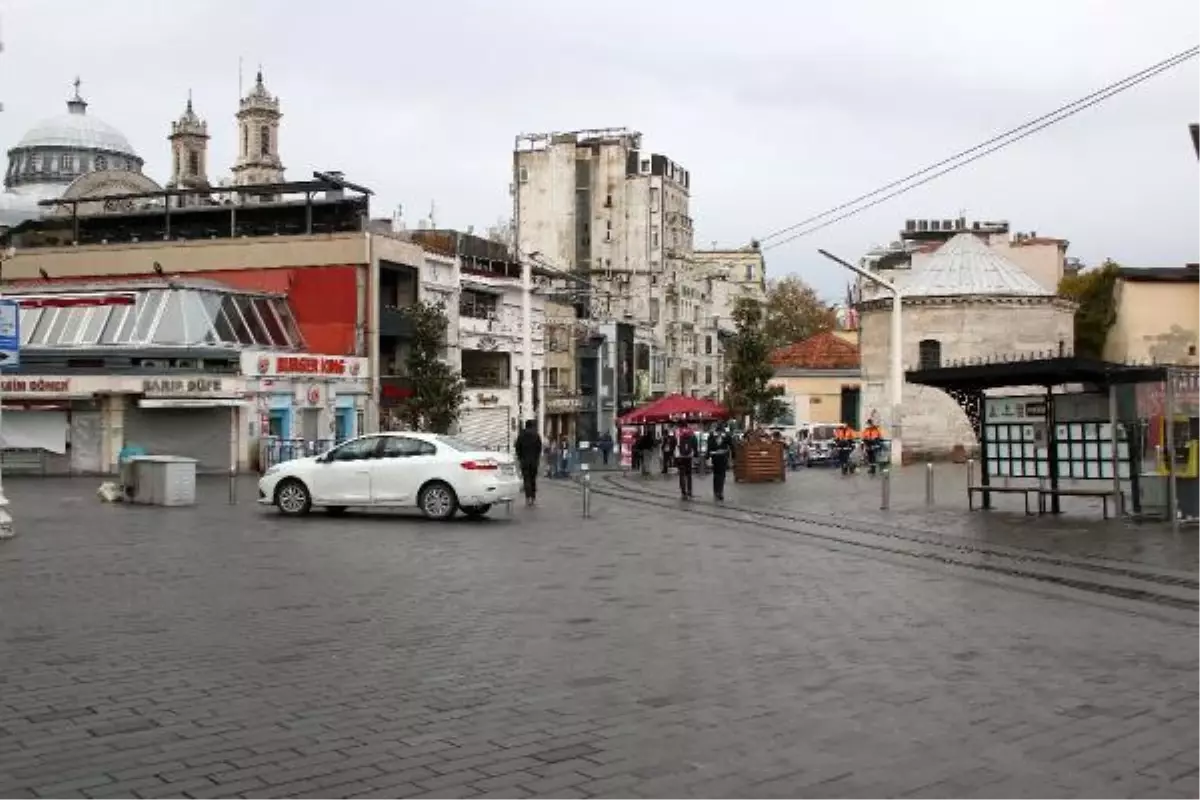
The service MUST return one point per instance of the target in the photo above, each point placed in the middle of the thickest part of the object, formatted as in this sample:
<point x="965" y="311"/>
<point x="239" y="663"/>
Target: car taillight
<point x="485" y="464"/>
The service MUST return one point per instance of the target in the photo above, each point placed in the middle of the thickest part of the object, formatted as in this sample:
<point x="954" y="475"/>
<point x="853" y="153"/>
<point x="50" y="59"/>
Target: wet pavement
<point x="651" y="650"/>
<point x="1080" y="531"/>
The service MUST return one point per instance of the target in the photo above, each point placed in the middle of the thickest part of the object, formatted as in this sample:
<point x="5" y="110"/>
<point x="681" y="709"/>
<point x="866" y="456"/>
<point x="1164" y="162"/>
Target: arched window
<point x="264" y="138"/>
<point x="930" y="353"/>
<point x="245" y="141"/>
<point x="193" y="163"/>
<point x="176" y="162"/>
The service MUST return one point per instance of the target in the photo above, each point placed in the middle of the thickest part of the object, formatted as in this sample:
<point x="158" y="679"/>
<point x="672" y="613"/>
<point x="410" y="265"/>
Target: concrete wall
<point x="191" y="256"/>
<point x="818" y="397"/>
<point x="1156" y="321"/>
<point x="933" y="423"/>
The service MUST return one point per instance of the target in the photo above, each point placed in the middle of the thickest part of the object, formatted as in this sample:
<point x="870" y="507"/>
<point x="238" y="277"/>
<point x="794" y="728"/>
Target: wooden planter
<point x="759" y="461"/>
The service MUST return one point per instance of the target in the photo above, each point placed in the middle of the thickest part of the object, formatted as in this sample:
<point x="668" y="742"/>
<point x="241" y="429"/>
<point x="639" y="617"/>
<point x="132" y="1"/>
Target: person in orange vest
<point x="845" y="438"/>
<point x="872" y="438"/>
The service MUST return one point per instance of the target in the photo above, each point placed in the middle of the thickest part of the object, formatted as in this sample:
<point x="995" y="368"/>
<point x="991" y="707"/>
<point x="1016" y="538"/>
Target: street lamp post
<point x="6" y="521"/>
<point x="896" y="372"/>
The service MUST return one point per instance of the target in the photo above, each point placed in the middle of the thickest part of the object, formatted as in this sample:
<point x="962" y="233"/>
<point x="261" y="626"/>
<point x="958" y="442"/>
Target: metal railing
<point x="273" y="450"/>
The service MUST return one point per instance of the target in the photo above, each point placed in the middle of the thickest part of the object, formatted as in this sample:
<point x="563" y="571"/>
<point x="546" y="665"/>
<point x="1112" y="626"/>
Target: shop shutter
<point x="489" y="428"/>
<point x="199" y="433"/>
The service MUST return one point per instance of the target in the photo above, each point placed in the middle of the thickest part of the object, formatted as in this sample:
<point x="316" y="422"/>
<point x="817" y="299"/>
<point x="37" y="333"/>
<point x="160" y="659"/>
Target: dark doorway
<point x="851" y="396"/>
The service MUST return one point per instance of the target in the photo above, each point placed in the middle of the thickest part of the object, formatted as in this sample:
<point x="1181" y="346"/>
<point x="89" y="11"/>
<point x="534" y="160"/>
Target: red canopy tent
<point x="675" y="408"/>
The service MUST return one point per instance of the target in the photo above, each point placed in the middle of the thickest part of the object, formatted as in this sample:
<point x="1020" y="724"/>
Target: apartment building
<point x="616" y="216"/>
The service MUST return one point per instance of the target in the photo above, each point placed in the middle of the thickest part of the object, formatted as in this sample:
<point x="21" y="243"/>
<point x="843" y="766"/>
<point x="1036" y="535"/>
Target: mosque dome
<point x="55" y="153"/>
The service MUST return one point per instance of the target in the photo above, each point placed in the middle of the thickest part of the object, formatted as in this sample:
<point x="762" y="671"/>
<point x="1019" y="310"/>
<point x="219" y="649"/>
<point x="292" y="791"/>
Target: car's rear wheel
<point x="292" y="498"/>
<point x="476" y="512"/>
<point x="437" y="501"/>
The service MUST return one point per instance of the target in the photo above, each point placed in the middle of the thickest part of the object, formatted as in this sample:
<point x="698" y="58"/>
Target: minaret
<point x="189" y="154"/>
<point x="258" y="138"/>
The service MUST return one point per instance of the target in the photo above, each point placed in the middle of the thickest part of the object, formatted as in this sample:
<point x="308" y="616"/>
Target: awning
<point x="194" y="402"/>
<point x="675" y="407"/>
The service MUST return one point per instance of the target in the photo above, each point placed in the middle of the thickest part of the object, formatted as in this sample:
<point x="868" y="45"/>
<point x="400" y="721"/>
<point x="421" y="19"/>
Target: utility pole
<point x="526" y="387"/>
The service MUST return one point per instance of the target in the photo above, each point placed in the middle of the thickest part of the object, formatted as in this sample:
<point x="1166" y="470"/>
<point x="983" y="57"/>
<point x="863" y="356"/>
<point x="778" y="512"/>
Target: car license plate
<point x="508" y="469"/>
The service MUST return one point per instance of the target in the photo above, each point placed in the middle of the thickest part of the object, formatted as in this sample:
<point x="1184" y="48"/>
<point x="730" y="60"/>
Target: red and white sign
<point x="76" y="300"/>
<point x="303" y="365"/>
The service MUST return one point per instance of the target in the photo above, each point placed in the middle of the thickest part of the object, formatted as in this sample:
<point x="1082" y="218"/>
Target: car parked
<point x="440" y="475"/>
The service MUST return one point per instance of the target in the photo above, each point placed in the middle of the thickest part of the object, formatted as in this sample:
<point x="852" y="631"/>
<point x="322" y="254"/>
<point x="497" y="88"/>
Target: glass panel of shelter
<point x="55" y="330"/>
<point x="148" y="308"/>
<point x="254" y="326"/>
<point x="172" y="325"/>
<point x="295" y="338"/>
<point x="198" y="325"/>
<point x="93" y="324"/>
<point x="271" y="324"/>
<point x="115" y="322"/>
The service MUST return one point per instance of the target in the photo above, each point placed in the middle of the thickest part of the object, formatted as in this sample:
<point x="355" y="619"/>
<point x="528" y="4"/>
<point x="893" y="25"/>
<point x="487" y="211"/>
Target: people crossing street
<point x="720" y="447"/>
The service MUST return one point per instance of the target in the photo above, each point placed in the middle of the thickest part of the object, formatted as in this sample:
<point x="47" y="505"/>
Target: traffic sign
<point x="10" y="334"/>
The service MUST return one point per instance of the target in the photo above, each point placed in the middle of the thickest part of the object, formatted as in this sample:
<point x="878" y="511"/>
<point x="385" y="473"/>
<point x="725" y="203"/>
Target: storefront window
<point x="254" y="325"/>
<point x="171" y="325"/>
<point x="147" y="310"/>
<point x="114" y="324"/>
<point x="93" y="324"/>
<point x="29" y="321"/>
<point x="274" y="329"/>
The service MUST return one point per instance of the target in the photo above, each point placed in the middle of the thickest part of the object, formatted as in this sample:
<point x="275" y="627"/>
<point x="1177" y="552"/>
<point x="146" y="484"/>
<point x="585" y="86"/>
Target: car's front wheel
<point x="476" y="512"/>
<point x="437" y="501"/>
<point x="292" y="498"/>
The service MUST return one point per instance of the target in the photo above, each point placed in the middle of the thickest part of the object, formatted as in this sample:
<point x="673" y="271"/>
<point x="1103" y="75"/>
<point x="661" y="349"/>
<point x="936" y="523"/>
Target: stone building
<point x="966" y="301"/>
<point x="258" y="137"/>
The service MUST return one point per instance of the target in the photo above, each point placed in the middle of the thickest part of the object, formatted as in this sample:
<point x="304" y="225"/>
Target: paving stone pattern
<point x="1080" y="531"/>
<point x="224" y="651"/>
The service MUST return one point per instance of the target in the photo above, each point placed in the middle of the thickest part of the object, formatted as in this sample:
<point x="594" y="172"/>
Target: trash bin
<point x="162" y="481"/>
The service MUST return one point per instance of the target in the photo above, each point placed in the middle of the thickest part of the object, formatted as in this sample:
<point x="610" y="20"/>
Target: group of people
<point x="846" y="439"/>
<point x="683" y="447"/>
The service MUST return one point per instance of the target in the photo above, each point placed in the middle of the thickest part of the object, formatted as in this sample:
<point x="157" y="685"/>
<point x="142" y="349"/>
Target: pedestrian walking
<point x="529" y="453"/>
<point x="720" y="447"/>
<point x="687" y="445"/>
<point x="606" y="446"/>
<point x="669" y="442"/>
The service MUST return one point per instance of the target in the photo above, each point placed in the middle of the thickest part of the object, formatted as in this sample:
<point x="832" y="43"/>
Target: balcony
<point x="395" y="322"/>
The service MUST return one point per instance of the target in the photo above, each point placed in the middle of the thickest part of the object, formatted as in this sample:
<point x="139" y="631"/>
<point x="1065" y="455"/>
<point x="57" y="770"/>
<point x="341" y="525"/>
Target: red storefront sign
<point x="35" y="386"/>
<point x="310" y="365"/>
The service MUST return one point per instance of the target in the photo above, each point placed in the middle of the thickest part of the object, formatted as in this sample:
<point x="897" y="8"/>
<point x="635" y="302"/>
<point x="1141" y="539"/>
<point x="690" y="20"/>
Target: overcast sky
<point x="779" y="109"/>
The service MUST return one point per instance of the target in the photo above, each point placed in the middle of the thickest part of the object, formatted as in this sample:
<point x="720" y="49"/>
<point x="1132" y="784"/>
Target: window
<point x="523" y="175"/>
<point x="245" y="140"/>
<point x="65" y="327"/>
<point x="477" y="305"/>
<point x="196" y="322"/>
<point x="654" y="310"/>
<point x="255" y="326"/>
<point x="356" y="450"/>
<point x="114" y="323"/>
<point x="552" y="378"/>
<point x="653" y="198"/>
<point x="264" y="140"/>
<point x="749" y="272"/>
<point x="93" y="324"/>
<point x="404" y="447"/>
<point x="237" y="323"/>
<point x="29" y="321"/>
<point x="194" y="163"/>
<point x="176" y="171"/>
<point x="171" y="326"/>
<point x="708" y="374"/>
<point x="645" y="165"/>
<point x="271" y="324"/>
<point x="66" y="163"/>
<point x="929" y="354"/>
<point x="35" y="163"/>
<point x="654" y="239"/>
<point x="708" y="346"/>
<point x="101" y="163"/>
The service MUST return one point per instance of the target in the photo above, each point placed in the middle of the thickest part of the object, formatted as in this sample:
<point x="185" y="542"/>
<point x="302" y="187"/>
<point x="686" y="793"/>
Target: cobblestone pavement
<point x="1081" y="531"/>
<point x="223" y="651"/>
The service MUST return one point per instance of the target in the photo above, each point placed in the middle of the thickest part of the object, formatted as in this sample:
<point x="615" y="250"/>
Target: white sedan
<point x="440" y="475"/>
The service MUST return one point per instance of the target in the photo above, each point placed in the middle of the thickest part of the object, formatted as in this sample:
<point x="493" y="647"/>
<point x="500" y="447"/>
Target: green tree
<point x="1093" y="291"/>
<point x="794" y="312"/>
<point x="749" y="393"/>
<point x="437" y="390"/>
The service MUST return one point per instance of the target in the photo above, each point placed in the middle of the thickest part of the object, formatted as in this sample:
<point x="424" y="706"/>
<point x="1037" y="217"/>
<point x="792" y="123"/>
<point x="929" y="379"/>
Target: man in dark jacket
<point x="529" y="453"/>
<point x="720" y="447"/>
<point x="688" y="448"/>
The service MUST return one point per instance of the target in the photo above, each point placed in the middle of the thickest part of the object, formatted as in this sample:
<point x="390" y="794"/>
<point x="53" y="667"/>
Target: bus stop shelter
<point x="1046" y="435"/>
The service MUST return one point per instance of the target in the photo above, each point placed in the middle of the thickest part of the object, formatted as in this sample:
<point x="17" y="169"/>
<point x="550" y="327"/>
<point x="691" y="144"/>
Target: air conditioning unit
<point x="935" y="225"/>
<point x="922" y="224"/>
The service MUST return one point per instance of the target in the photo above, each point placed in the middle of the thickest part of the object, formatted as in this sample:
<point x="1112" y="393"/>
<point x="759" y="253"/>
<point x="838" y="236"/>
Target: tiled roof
<point x="966" y="266"/>
<point x="823" y="351"/>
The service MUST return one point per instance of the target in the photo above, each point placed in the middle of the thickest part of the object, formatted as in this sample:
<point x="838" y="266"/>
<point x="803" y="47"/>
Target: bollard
<point x="970" y="472"/>
<point x="928" y="483"/>
<point x="232" y="485"/>
<point x="886" y="489"/>
<point x="587" y="492"/>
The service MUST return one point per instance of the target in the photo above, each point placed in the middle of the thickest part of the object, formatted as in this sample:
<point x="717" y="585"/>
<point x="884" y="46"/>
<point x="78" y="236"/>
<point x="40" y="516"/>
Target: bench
<point x="1025" y="490"/>
<point x="1104" y="494"/>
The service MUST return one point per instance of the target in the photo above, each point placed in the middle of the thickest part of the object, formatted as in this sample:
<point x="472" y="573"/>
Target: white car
<point x="440" y="475"/>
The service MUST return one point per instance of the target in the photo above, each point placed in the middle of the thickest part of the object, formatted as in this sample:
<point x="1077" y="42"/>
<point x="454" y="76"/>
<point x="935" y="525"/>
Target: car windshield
<point x="461" y="445"/>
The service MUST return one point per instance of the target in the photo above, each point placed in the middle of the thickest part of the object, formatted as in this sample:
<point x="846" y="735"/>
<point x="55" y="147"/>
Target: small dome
<point x="966" y="266"/>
